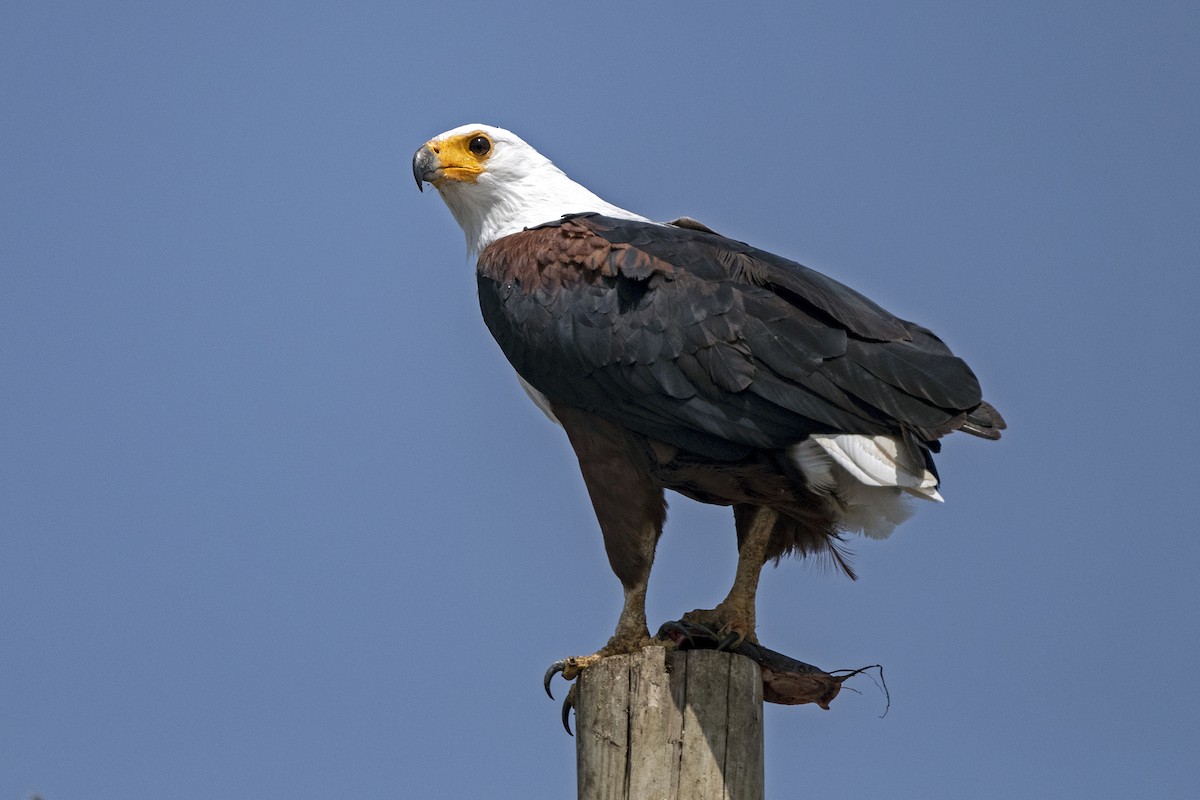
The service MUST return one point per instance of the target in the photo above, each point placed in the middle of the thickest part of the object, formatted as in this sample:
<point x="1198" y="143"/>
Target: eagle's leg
<point x="632" y="635"/>
<point x="734" y="618"/>
<point x="631" y="510"/>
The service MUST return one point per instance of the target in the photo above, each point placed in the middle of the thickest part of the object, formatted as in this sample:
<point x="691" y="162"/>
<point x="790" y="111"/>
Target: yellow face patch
<point x="460" y="158"/>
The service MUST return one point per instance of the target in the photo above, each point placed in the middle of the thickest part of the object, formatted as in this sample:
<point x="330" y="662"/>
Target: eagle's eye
<point x="480" y="145"/>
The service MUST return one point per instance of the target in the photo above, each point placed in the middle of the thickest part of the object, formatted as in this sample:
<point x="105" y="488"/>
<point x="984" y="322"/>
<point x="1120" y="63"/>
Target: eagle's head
<point x="474" y="154"/>
<point x="496" y="184"/>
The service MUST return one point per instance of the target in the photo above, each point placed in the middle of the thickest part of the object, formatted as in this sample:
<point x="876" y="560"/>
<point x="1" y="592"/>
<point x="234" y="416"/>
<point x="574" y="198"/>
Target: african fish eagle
<point x="675" y="358"/>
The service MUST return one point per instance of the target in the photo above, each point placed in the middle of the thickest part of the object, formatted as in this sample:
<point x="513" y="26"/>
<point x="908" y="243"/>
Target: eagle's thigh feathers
<point x="628" y="502"/>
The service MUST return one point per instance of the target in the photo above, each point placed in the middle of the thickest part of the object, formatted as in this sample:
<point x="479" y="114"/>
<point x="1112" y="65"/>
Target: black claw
<point x="673" y="626"/>
<point x="555" y="668"/>
<point x="728" y="642"/>
<point x="568" y="704"/>
<point x="697" y="635"/>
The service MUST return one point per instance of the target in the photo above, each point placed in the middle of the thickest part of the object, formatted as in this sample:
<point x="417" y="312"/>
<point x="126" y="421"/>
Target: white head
<point x="496" y="184"/>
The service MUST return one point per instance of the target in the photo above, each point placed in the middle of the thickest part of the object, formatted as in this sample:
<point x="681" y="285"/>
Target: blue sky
<point x="276" y="519"/>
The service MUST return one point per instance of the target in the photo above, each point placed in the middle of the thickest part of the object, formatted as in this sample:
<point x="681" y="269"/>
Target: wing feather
<point x="712" y="345"/>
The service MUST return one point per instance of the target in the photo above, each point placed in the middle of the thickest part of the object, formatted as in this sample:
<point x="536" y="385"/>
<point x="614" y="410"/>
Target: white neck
<point x="490" y="208"/>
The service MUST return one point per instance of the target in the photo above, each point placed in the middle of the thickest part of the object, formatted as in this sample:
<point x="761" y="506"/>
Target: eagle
<point x="676" y="358"/>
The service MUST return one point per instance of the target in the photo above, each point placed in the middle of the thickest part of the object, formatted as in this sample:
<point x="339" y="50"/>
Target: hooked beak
<point x="425" y="166"/>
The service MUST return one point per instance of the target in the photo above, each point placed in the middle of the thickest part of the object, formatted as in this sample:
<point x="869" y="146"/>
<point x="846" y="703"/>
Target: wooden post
<point x="678" y="725"/>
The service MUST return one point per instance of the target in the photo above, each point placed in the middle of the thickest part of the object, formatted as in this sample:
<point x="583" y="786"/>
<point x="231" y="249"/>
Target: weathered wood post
<point x="670" y="725"/>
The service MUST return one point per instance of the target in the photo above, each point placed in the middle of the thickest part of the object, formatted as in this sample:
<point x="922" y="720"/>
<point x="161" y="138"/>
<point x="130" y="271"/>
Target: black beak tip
<point x="423" y="164"/>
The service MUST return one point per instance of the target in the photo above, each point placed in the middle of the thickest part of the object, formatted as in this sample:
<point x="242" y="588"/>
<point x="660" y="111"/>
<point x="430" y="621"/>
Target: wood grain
<point x="659" y="725"/>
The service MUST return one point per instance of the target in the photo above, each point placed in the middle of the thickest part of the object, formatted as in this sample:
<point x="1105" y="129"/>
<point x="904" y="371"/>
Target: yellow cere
<point x="456" y="162"/>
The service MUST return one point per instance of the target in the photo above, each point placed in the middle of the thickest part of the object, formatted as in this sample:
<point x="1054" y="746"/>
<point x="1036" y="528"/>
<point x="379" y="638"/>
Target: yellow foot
<point x="570" y="668"/>
<point x="727" y="624"/>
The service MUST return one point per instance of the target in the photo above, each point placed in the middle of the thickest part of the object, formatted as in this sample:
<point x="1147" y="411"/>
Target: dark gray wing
<point x="712" y="345"/>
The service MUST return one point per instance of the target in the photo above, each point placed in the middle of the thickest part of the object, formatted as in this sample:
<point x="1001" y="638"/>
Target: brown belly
<point x="807" y="521"/>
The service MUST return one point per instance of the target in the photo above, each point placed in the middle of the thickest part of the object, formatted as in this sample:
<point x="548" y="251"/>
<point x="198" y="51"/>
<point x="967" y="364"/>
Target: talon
<point x="730" y="641"/>
<point x="568" y="704"/>
<point x="570" y="669"/>
<point x="555" y="668"/>
<point x="675" y="627"/>
<point x="697" y="635"/>
<point x="725" y="627"/>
